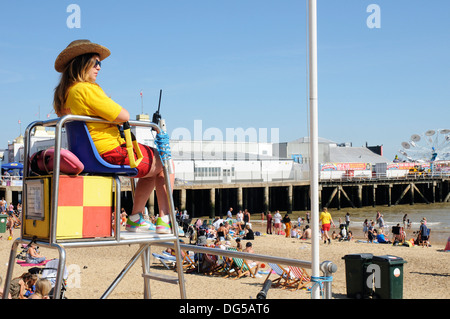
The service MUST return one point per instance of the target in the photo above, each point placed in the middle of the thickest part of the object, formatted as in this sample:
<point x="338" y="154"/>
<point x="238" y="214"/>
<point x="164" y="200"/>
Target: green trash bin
<point x="3" y="220"/>
<point x="388" y="277"/>
<point x="356" y="275"/>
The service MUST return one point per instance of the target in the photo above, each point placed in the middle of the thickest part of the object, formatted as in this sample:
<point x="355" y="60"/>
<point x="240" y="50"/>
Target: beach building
<point x="232" y="171"/>
<point x="220" y="161"/>
<point x="203" y="162"/>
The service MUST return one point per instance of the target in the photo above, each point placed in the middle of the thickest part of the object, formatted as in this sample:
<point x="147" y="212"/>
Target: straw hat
<point x="76" y="48"/>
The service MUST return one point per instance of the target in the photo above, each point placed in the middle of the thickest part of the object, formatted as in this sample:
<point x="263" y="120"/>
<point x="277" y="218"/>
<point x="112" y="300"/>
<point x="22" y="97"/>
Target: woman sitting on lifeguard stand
<point x="78" y="93"/>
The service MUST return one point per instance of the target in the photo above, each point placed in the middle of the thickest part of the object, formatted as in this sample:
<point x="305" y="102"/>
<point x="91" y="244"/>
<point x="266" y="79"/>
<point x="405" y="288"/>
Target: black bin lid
<point x="358" y="256"/>
<point x="389" y="259"/>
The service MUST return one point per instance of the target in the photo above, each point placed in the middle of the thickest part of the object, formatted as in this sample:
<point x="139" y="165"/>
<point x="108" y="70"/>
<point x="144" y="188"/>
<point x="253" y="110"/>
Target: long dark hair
<point x="75" y="71"/>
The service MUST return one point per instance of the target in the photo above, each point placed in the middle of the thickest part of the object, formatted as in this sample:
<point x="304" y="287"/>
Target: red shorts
<point x="119" y="156"/>
<point x="326" y="227"/>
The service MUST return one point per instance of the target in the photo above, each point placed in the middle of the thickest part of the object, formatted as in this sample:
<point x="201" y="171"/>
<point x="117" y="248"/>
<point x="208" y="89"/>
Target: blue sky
<point x="241" y="64"/>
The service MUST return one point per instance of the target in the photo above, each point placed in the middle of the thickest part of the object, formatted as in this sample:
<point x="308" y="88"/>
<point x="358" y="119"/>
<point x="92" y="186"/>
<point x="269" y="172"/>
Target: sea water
<point x="436" y="214"/>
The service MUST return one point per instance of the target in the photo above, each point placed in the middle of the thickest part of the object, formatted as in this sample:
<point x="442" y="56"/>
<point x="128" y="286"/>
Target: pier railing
<point x="186" y="179"/>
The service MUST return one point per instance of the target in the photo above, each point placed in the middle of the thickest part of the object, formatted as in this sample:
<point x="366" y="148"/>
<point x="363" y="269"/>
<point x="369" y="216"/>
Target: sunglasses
<point x="97" y="63"/>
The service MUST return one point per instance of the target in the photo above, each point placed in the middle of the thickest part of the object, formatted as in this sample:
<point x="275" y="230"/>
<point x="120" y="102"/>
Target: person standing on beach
<point x="371" y="232"/>
<point x="277" y="222"/>
<point x="246" y="217"/>
<point x="288" y="225"/>
<point x="230" y="213"/>
<point x="78" y="93"/>
<point x="405" y="221"/>
<point x="269" y="223"/>
<point x="365" y="228"/>
<point x="327" y="220"/>
<point x="381" y="222"/>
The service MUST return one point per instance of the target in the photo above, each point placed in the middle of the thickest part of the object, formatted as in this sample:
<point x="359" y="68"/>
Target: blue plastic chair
<point x="80" y="143"/>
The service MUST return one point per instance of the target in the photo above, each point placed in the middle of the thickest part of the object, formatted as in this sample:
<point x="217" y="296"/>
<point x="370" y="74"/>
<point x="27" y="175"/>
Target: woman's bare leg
<point x="153" y="180"/>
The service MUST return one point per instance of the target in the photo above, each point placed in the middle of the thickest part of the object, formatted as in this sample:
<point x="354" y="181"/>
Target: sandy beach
<point x="91" y="270"/>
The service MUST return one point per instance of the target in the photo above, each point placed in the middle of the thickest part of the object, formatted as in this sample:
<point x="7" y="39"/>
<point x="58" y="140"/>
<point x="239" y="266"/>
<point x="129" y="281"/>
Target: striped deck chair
<point x="301" y="278"/>
<point x="221" y="267"/>
<point x="167" y="260"/>
<point x="228" y="267"/>
<point x="189" y="261"/>
<point x="242" y="268"/>
<point x="283" y="279"/>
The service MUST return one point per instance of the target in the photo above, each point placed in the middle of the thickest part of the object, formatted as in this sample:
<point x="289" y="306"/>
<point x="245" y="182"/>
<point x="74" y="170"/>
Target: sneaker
<point x="163" y="225"/>
<point x="139" y="225"/>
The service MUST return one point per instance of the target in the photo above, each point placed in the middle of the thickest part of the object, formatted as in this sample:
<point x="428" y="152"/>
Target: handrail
<point x="327" y="267"/>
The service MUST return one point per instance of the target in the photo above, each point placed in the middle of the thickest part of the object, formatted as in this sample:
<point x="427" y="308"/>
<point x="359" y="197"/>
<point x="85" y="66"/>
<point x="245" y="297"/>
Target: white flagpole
<point x="313" y="144"/>
<point x="142" y="102"/>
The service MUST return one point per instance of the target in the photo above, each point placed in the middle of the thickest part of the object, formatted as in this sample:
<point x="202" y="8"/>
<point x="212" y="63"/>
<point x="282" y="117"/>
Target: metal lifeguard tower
<point x="59" y="219"/>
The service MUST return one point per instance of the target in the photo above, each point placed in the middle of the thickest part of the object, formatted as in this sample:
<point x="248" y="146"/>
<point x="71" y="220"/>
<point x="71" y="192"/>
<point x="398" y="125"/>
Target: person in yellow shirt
<point x="78" y="93"/>
<point x="325" y="218"/>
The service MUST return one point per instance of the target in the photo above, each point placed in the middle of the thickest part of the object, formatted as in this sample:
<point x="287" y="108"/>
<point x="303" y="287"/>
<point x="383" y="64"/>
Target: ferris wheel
<point x="433" y="145"/>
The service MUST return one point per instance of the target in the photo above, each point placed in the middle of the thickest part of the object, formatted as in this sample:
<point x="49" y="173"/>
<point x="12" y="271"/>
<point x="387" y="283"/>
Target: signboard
<point x="345" y="166"/>
<point x="35" y="199"/>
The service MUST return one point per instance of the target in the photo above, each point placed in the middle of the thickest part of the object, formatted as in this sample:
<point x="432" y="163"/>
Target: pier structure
<point x="215" y="199"/>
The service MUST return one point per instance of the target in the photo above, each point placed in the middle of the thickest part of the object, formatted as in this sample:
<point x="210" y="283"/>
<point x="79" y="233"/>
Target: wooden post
<point x="266" y="199"/>
<point x="212" y="203"/>
<point x="290" y="196"/>
<point x="240" y="199"/>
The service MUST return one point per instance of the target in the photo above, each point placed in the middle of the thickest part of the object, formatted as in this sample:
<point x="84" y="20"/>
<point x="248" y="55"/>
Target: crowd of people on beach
<point x="398" y="232"/>
<point x="374" y="230"/>
<point x="240" y="226"/>
<point x="228" y="232"/>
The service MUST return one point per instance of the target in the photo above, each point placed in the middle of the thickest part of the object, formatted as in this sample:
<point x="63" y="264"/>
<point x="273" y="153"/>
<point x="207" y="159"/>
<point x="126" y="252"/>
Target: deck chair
<point x="212" y="265"/>
<point x="168" y="261"/>
<point x="283" y="279"/>
<point x="205" y="264"/>
<point x="189" y="261"/>
<point x="242" y="268"/>
<point x="225" y="267"/>
<point x="229" y="266"/>
<point x="301" y="278"/>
